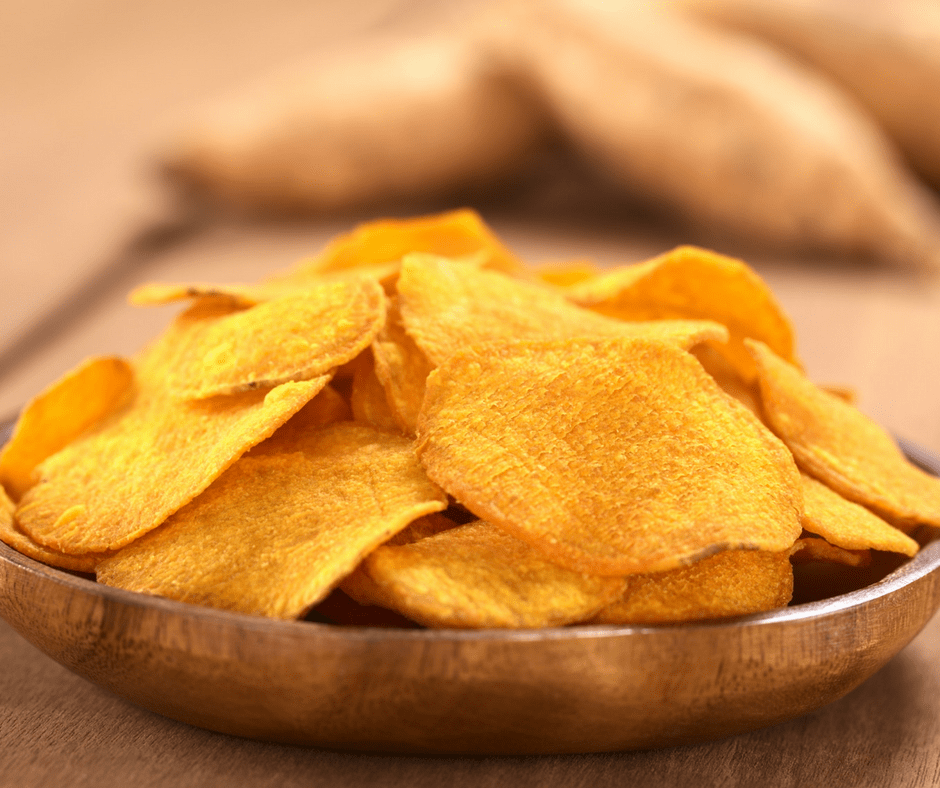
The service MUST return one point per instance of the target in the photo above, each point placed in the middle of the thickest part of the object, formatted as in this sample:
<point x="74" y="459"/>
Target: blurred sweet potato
<point x="886" y="53"/>
<point x="386" y="119"/>
<point x="719" y="127"/>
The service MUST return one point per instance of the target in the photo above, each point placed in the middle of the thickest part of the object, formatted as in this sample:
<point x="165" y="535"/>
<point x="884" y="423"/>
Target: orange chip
<point x="727" y="377"/>
<point x="60" y="414"/>
<point x="129" y="473"/>
<point x="402" y="368"/>
<point x="275" y="533"/>
<point x="422" y="528"/>
<point x="290" y="283"/>
<point x="566" y="275"/>
<point x="610" y="456"/>
<point x="848" y="525"/>
<point x="10" y="534"/>
<point x="156" y="293"/>
<point x="810" y="548"/>
<point x="293" y="338"/>
<point x="729" y="583"/>
<point x="327" y="407"/>
<point x="689" y="282"/>
<point x="837" y="444"/>
<point x="447" y="306"/>
<point x="369" y="401"/>
<point x="454" y="234"/>
<point x="476" y="576"/>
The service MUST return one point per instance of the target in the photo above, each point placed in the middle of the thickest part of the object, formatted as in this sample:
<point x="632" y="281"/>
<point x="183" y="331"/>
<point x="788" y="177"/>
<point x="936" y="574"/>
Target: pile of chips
<point x="414" y="422"/>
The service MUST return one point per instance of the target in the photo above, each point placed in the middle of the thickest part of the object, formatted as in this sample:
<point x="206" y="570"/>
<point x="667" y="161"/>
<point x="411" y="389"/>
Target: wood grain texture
<point x="568" y="690"/>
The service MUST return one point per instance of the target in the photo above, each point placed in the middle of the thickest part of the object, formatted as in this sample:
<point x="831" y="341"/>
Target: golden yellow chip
<point x="327" y="407"/>
<point x="454" y="234"/>
<point x="609" y="456"/>
<point x="422" y="528"/>
<point x="11" y="534"/>
<point x="727" y="377"/>
<point x="848" y="525"/>
<point x="60" y="414"/>
<point x="293" y="338"/>
<point x="729" y="583"/>
<point x="839" y="445"/>
<point x="156" y="293"/>
<point x="689" y="282"/>
<point x="290" y="283"/>
<point x="368" y="399"/>
<point x="813" y="549"/>
<point x="447" y="306"/>
<point x="7" y="507"/>
<point x="129" y="473"/>
<point x="276" y="532"/>
<point x="476" y="576"/>
<point x="568" y="274"/>
<point x="402" y="368"/>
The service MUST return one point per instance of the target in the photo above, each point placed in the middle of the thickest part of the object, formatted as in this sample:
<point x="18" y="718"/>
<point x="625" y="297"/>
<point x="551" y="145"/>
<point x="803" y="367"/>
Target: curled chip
<point x="729" y="583"/>
<point x="298" y="337"/>
<point x="568" y="274"/>
<point x="282" y="285"/>
<point x="454" y="234"/>
<point x="447" y="305"/>
<point x="275" y="533"/>
<point x="813" y="549"/>
<point x="10" y="534"/>
<point x="154" y="293"/>
<point x="368" y="398"/>
<point x="476" y="576"/>
<point x="327" y="407"/>
<point x="60" y="414"/>
<point x="609" y="456"/>
<point x="128" y="474"/>
<point x="422" y="528"/>
<point x="694" y="283"/>
<point x="848" y="525"/>
<point x="839" y="445"/>
<point x="402" y="368"/>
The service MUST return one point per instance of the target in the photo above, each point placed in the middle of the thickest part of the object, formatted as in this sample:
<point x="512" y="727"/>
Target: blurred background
<point x="202" y="141"/>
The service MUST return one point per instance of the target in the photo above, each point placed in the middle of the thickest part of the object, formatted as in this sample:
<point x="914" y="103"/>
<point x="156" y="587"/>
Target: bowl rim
<point x="926" y="561"/>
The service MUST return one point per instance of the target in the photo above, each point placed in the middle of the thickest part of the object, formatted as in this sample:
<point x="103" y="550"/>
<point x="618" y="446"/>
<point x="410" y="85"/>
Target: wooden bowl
<point x="563" y="690"/>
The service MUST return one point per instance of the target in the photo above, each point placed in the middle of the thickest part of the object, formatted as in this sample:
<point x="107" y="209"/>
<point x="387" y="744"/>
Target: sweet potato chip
<point x="476" y="576"/>
<point x="454" y="234"/>
<point x="447" y="306"/>
<point x="368" y="399"/>
<point x="568" y="274"/>
<point x="327" y="407"/>
<point x="60" y="414"/>
<point x="689" y="282"/>
<point x="402" y="368"/>
<point x="277" y="531"/>
<point x="839" y="445"/>
<point x="157" y="293"/>
<point x="814" y="549"/>
<point x="290" y="283"/>
<point x="371" y="251"/>
<point x="848" y="525"/>
<point x="293" y="338"/>
<point x="729" y="583"/>
<point x="610" y="456"/>
<point x="422" y="528"/>
<point x="128" y="474"/>
<point x="724" y="373"/>
<point x="11" y="534"/>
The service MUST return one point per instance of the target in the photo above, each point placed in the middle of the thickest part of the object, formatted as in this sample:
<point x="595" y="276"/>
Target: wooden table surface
<point x="88" y="88"/>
